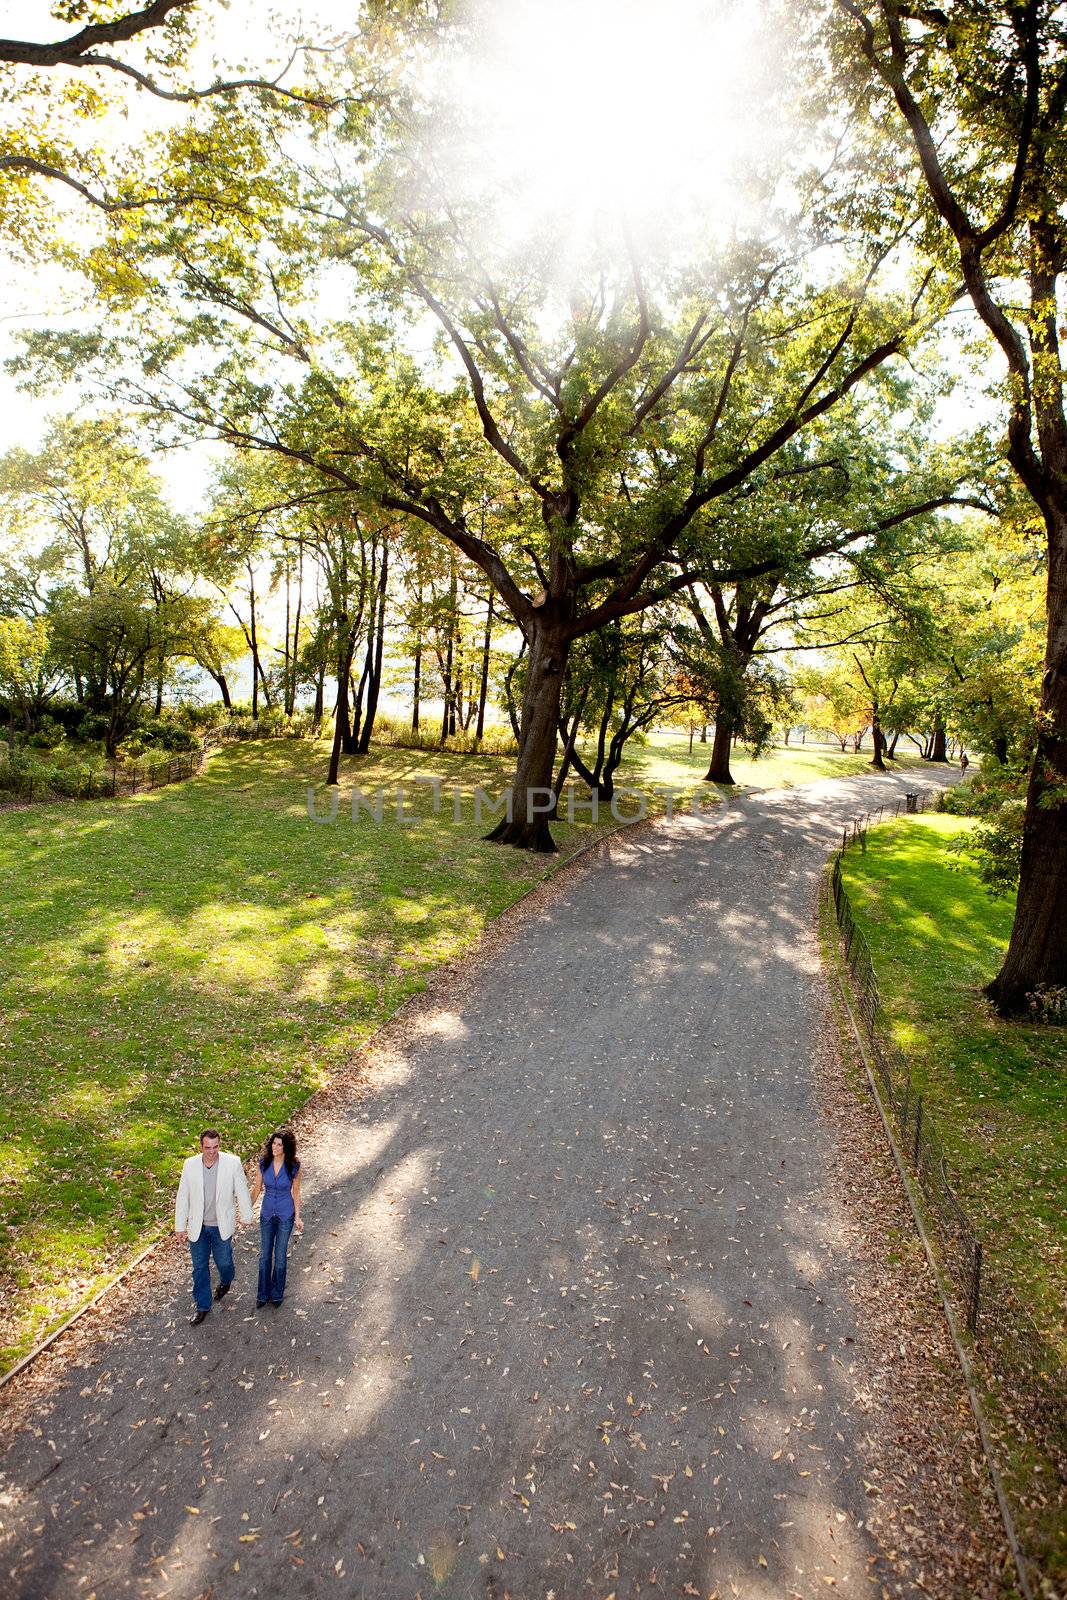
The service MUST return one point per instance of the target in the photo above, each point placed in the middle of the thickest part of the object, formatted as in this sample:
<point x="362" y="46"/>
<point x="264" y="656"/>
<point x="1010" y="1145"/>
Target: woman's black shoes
<point x="221" y="1289"/>
<point x="198" y="1317"/>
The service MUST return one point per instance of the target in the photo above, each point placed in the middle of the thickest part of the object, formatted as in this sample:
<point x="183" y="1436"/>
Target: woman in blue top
<point x="278" y="1181"/>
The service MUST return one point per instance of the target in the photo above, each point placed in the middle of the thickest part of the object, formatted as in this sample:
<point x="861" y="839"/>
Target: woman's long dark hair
<point x="266" y="1155"/>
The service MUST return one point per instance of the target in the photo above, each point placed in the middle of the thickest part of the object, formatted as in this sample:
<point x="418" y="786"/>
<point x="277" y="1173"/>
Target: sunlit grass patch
<point x="666" y="758"/>
<point x="997" y="1090"/>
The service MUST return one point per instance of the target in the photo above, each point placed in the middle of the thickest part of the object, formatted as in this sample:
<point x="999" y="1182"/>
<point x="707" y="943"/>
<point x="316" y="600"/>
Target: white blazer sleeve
<point x="181" y="1205"/>
<point x="240" y="1183"/>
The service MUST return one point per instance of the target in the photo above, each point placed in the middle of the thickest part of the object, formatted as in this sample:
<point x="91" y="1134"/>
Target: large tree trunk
<point x="342" y="727"/>
<point x="446" y="676"/>
<point x="253" y="642"/>
<point x="448" y="716"/>
<point x="288" y="670"/>
<point x="344" y="711"/>
<point x="537" y="747"/>
<point x="357" y="704"/>
<point x="938" y="745"/>
<point x="224" y="688"/>
<point x="113" y="734"/>
<point x="594" y="776"/>
<point x="1037" y="952"/>
<point x="374" y="677"/>
<point x="569" y="735"/>
<point x="616" y="751"/>
<point x="296" y="625"/>
<point x="878" y="741"/>
<point x="417" y="687"/>
<point x="719" y="768"/>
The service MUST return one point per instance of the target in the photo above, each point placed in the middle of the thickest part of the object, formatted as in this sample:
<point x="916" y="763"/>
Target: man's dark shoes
<point x="197" y="1317"/>
<point x="260" y="1304"/>
<point x="221" y="1289"/>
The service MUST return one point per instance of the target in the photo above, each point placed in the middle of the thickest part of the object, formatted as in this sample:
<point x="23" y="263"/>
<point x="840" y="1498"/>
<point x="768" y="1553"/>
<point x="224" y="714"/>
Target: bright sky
<point x="581" y="110"/>
<point x="239" y="32"/>
<point x="571" y="110"/>
<point x="576" y="113"/>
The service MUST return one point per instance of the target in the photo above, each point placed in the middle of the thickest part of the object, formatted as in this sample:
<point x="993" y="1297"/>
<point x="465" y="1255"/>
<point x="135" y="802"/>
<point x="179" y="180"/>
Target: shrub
<point x="996" y="846"/>
<point x="49" y="736"/>
<point x="13" y="772"/>
<point x="68" y="713"/>
<point x="211" y="715"/>
<point x="1049" y="1005"/>
<point x="397" y="731"/>
<point x="158" y="734"/>
<point x="959" y="799"/>
<point x="68" y="781"/>
<point x="91" y="725"/>
<point x="27" y="775"/>
<point x="272" y="722"/>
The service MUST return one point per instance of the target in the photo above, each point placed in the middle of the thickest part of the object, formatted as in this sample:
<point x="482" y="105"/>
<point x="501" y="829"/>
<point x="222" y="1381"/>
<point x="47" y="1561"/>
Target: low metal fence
<point x="1029" y="1373"/>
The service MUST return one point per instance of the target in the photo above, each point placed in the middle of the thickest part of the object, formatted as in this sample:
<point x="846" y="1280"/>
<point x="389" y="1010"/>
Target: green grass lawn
<point x="202" y="954"/>
<point x="666" y="759"/>
<point x="997" y="1090"/>
<point x="205" y="954"/>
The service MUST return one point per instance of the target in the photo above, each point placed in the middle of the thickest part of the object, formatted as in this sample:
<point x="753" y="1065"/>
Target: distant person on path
<point x="964" y="763"/>
<point x="278" y="1181"/>
<point x="212" y="1199"/>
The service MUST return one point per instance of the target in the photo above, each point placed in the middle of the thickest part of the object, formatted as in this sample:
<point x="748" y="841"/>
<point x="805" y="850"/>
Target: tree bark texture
<point x="539" y="720"/>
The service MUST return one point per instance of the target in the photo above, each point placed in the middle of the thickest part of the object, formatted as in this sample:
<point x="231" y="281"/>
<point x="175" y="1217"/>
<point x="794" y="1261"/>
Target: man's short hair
<point x="208" y="1133"/>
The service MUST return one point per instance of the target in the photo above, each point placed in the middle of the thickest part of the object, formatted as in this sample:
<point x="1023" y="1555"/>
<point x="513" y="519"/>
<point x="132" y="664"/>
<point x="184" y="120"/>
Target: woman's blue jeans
<point x="273" y="1248"/>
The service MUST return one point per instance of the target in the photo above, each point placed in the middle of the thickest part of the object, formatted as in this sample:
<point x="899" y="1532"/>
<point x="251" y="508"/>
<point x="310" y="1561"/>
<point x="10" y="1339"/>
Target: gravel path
<point x="572" y="1312"/>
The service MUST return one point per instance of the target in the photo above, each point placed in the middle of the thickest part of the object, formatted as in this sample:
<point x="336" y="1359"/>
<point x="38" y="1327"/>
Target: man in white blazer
<point x="212" y="1199"/>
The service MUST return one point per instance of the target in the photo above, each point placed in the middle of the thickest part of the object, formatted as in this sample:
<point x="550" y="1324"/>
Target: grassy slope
<point x="666" y="759"/>
<point x="205" y="954"/>
<point x="997" y="1090"/>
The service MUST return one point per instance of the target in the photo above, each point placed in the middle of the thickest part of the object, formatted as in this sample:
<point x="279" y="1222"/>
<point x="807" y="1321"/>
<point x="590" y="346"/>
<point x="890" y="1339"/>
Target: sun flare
<point x="578" y="109"/>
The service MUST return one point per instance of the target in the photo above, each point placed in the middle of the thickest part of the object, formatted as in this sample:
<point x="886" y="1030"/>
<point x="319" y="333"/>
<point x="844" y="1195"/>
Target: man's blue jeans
<point x="210" y="1243"/>
<point x="273" y="1248"/>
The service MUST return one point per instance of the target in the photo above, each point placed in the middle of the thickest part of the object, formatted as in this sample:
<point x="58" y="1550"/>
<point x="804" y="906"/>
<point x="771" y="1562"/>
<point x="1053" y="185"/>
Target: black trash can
<point x="911" y="802"/>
